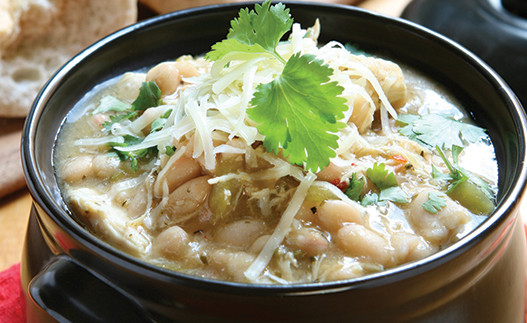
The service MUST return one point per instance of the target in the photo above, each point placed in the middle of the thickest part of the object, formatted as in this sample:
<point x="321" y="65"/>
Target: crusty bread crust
<point x="38" y="36"/>
<point x="166" y="6"/>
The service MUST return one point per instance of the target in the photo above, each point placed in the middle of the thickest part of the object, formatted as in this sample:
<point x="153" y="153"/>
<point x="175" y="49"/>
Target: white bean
<point x="439" y="227"/>
<point x="358" y="241"/>
<point x="128" y="86"/>
<point x="333" y="214"/>
<point x="105" y="166"/>
<point x="309" y="240"/>
<point x="186" y="69"/>
<point x="77" y="168"/>
<point x="409" y="247"/>
<point x="332" y="172"/>
<point x="173" y="243"/>
<point x="166" y="76"/>
<point x="306" y="212"/>
<point x="188" y="197"/>
<point x="181" y="171"/>
<point x="233" y="264"/>
<point x="241" y="233"/>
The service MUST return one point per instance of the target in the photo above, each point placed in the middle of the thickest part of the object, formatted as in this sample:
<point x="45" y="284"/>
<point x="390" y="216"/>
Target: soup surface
<point x="178" y="164"/>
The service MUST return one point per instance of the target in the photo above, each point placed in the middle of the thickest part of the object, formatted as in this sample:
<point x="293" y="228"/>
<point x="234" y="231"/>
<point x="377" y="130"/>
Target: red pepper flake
<point x="340" y="185"/>
<point x="400" y="158"/>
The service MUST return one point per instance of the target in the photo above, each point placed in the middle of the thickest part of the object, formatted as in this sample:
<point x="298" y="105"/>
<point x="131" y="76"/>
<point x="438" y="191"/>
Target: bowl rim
<point x="119" y="258"/>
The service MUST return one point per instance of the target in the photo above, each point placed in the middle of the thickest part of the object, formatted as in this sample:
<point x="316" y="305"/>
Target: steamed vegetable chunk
<point x="270" y="161"/>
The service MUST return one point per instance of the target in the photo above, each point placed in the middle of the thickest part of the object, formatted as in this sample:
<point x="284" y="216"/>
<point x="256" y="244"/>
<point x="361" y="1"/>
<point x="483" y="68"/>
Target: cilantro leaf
<point x="438" y="130"/>
<point x="160" y="122"/>
<point x="254" y="31"/>
<point x="298" y="111"/>
<point x="130" y="115"/>
<point x="149" y="96"/>
<point x="456" y="175"/>
<point x="110" y="103"/>
<point x="381" y="177"/>
<point x="468" y="189"/>
<point x="387" y="184"/>
<point x="394" y="194"/>
<point x="170" y="150"/>
<point x="133" y="155"/>
<point x="370" y="199"/>
<point x="436" y="201"/>
<point x="355" y="187"/>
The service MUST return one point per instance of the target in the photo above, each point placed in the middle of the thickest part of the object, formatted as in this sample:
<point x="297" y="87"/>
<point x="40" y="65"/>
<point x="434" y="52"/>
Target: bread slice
<point x="166" y="6"/>
<point x="38" y="36"/>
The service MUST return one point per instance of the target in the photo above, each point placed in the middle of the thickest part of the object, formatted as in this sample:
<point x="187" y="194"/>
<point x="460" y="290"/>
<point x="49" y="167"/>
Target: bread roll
<point x="166" y="6"/>
<point x="38" y="36"/>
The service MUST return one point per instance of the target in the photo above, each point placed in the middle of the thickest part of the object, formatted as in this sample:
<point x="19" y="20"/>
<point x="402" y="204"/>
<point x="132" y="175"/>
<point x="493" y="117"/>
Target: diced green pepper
<point x="472" y="197"/>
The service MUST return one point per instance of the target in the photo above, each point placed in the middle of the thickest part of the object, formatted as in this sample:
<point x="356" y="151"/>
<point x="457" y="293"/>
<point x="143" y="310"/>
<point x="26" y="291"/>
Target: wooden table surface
<point x="14" y="209"/>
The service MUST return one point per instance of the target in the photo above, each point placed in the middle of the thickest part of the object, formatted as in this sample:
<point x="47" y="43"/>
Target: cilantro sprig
<point x="436" y="202"/>
<point x="129" y="115"/>
<point x="255" y="31"/>
<point x="387" y="184"/>
<point x="384" y="180"/>
<point x="132" y="156"/>
<point x="468" y="189"/>
<point x="298" y="111"/>
<point x="437" y="130"/>
<point x="149" y="96"/>
<point x="457" y="175"/>
<point x="355" y="186"/>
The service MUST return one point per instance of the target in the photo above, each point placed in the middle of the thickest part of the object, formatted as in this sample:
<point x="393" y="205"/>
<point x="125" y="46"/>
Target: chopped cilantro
<point x="134" y="155"/>
<point x="380" y="176"/>
<point x="436" y="201"/>
<point x="149" y="96"/>
<point x="130" y="115"/>
<point x="299" y="110"/>
<point x="110" y="103"/>
<point x="438" y="130"/>
<point x="160" y="122"/>
<point x="370" y="199"/>
<point x="394" y="194"/>
<point x="387" y="184"/>
<point x="355" y="187"/>
<point x="170" y="150"/>
<point x="157" y="124"/>
<point x="385" y="181"/>
<point x="456" y="175"/>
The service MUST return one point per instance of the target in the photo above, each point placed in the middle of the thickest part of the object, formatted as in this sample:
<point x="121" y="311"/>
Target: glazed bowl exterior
<point x="68" y="274"/>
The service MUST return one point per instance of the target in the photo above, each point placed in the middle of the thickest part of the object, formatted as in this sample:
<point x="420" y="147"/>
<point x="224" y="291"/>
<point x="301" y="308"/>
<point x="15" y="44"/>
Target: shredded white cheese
<point x="281" y="230"/>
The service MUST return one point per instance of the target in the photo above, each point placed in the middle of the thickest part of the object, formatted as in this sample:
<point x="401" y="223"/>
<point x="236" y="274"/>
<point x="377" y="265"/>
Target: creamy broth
<point x="245" y="214"/>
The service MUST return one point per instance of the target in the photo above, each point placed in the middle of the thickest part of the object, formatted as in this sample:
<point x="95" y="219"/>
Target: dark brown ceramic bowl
<point x="68" y="274"/>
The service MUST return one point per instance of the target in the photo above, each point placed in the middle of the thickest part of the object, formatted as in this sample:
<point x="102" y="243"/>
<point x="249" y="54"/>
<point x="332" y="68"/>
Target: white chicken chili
<point x="270" y="161"/>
